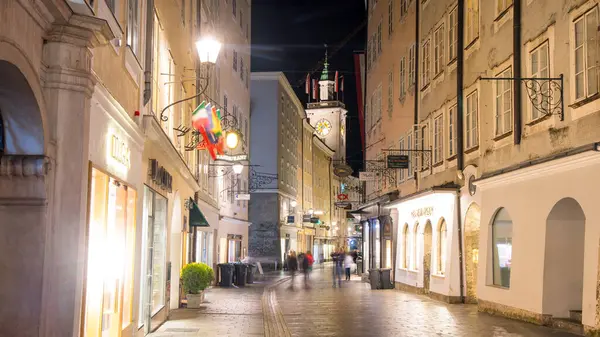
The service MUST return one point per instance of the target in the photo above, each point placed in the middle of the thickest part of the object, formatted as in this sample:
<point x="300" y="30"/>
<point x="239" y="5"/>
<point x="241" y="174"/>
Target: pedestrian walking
<point x="307" y="264"/>
<point x="338" y="259"/>
<point x="292" y="266"/>
<point x="348" y="262"/>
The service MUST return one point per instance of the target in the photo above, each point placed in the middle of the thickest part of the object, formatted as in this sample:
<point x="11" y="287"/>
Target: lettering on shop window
<point x="160" y="176"/>
<point x="423" y="211"/>
<point x="119" y="151"/>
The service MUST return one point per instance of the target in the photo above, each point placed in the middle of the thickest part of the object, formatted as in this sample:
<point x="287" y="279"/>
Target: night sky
<point x="289" y="36"/>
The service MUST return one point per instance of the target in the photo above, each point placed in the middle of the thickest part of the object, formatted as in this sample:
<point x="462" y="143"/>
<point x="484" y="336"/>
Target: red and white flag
<point x="307" y="84"/>
<point x="314" y="89"/>
<point x="342" y="83"/>
<point x="336" y="81"/>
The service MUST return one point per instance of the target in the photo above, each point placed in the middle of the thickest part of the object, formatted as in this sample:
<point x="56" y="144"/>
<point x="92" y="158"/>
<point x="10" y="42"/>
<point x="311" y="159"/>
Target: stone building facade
<point x="509" y="147"/>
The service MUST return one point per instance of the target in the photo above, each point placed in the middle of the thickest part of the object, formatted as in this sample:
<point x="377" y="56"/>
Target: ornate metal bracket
<point x="260" y="179"/>
<point x="216" y="172"/>
<point x="381" y="170"/>
<point x="545" y="94"/>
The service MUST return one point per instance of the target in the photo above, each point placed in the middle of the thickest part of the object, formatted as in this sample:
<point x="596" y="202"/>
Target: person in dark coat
<point x="292" y="266"/>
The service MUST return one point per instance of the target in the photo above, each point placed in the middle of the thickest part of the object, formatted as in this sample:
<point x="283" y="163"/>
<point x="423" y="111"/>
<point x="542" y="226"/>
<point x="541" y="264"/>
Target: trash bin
<point x="359" y="267"/>
<point x="225" y="274"/>
<point x="250" y="269"/>
<point x="375" y="279"/>
<point x="240" y="274"/>
<point x="386" y="278"/>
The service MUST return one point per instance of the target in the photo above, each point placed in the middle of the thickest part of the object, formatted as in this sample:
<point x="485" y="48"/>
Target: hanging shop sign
<point x="342" y="204"/>
<point x="291" y="219"/>
<point x="397" y="161"/>
<point x="207" y="120"/>
<point x="342" y="170"/>
<point x="160" y="176"/>
<point x="315" y="220"/>
<point x="423" y="211"/>
<point x="306" y="218"/>
<point x="342" y="196"/>
<point x="358" y="228"/>
<point x="229" y="158"/>
<point x="366" y="176"/>
<point x="119" y="151"/>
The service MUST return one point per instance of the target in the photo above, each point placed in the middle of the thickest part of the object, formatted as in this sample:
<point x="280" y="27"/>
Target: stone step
<point x="568" y="324"/>
<point x="575" y="315"/>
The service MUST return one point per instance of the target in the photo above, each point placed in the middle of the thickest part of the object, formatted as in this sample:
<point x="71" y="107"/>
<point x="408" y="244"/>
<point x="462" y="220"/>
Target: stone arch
<point x="563" y="260"/>
<point x="176" y="243"/>
<point x="471" y="250"/>
<point x="405" y="244"/>
<point x="415" y="247"/>
<point x="427" y="245"/>
<point x="441" y="246"/>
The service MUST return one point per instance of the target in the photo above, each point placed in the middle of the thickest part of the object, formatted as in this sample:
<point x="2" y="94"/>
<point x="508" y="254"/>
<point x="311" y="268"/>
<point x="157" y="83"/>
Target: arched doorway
<point x="22" y="202"/>
<point x="471" y="253"/>
<point x="427" y="242"/>
<point x="563" y="259"/>
<point x="175" y="251"/>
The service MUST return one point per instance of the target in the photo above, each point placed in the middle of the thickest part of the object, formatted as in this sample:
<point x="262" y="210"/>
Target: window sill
<point x="452" y="157"/>
<point x="502" y="136"/>
<point x="473" y="149"/>
<point x="538" y="120"/>
<point x="452" y="62"/>
<point x="438" y="75"/>
<point x="440" y="276"/>
<point x="498" y="287"/>
<point x="472" y="43"/>
<point x="438" y="164"/>
<point x="503" y="13"/>
<point x="425" y="87"/>
<point x="585" y="101"/>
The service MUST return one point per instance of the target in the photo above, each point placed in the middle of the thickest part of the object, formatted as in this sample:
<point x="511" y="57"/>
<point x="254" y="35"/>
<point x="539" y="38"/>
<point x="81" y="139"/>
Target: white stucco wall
<point x="529" y="195"/>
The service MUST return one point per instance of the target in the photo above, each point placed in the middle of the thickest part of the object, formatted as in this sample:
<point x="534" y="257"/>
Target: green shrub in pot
<point x="196" y="277"/>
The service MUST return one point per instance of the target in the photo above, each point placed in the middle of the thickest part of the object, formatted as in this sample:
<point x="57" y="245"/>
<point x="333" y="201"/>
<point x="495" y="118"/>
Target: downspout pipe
<point x="149" y="54"/>
<point x="416" y="79"/>
<point x="460" y="44"/>
<point x="517" y="120"/>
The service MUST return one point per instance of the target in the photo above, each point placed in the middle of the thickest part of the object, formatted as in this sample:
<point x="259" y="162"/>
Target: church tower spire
<point x="326" y="85"/>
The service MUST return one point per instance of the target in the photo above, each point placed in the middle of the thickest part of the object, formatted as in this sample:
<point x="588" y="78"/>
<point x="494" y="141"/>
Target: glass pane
<point x="129" y="257"/>
<point x="159" y="245"/>
<point x="502" y="248"/>
<point x="579" y="33"/>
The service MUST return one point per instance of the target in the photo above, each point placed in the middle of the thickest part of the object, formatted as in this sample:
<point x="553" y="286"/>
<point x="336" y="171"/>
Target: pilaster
<point x="68" y="86"/>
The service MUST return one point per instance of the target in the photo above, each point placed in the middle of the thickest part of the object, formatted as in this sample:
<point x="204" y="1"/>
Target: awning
<point x="197" y="219"/>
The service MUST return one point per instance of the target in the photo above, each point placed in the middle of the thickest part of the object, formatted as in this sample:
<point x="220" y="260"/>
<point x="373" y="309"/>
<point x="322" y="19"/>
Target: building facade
<point x="504" y="113"/>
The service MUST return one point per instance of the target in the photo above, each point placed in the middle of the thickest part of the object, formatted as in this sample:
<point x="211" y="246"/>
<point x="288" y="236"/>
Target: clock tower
<point x="327" y="113"/>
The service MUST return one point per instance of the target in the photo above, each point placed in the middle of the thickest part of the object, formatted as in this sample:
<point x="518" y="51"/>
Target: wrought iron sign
<point x="260" y="179"/>
<point x="545" y="94"/>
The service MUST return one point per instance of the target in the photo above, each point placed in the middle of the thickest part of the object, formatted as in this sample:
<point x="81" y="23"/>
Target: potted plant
<point x="196" y="277"/>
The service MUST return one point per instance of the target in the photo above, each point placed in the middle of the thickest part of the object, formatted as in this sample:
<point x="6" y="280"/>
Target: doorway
<point x="427" y="239"/>
<point x="471" y="244"/>
<point x="563" y="260"/>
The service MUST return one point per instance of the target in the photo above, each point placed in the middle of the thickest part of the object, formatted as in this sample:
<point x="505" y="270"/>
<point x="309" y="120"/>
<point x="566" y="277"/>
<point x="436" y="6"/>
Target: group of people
<point x="302" y="261"/>
<point x="342" y="261"/>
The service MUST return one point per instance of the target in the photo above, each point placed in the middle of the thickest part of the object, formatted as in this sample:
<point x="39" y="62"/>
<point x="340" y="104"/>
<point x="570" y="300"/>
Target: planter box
<point x="194" y="300"/>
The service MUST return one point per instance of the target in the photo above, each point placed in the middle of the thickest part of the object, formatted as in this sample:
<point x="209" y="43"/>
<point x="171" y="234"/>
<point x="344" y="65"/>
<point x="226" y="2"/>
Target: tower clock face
<point x="323" y="127"/>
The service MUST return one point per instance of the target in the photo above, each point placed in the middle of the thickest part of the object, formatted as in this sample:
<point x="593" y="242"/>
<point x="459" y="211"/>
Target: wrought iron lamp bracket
<point x="545" y="94"/>
<point x="260" y="179"/>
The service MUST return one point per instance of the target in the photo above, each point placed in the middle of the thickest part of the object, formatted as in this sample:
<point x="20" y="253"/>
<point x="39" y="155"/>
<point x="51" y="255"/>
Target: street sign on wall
<point x="366" y="176"/>
<point x="342" y="204"/>
<point x="397" y="161"/>
<point x="290" y="219"/>
<point x="242" y="196"/>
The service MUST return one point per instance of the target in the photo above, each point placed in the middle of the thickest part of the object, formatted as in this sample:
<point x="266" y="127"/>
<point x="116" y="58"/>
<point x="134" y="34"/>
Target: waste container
<point x="240" y="274"/>
<point x="225" y="274"/>
<point x="375" y="279"/>
<point x="386" y="278"/>
<point x="250" y="269"/>
<point x="359" y="267"/>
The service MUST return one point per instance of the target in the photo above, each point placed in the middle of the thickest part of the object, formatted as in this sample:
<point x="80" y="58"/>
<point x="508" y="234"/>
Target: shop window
<point x="110" y="260"/>
<point x="414" y="247"/>
<point x="442" y="248"/>
<point x="154" y="245"/>
<point x="501" y="248"/>
<point x="405" y="255"/>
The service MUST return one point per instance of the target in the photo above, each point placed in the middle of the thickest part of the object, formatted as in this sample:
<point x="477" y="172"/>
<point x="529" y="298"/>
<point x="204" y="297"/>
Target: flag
<point x="336" y="81"/>
<point x="200" y="116"/>
<point x="342" y="84"/>
<point x="314" y="89"/>
<point x="307" y="84"/>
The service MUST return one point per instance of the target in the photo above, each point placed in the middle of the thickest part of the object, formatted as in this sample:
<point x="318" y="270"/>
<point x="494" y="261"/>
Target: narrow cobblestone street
<point x="356" y="310"/>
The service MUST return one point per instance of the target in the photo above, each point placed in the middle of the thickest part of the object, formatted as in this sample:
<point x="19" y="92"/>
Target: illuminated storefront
<point x="115" y="185"/>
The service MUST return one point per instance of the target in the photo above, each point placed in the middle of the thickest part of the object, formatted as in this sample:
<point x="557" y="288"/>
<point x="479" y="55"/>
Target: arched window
<point x="414" y="247"/>
<point x="501" y="248"/>
<point x="441" y="248"/>
<point x="405" y="256"/>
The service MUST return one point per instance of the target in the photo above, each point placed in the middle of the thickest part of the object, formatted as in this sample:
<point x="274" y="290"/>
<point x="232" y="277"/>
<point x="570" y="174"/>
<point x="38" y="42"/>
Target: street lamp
<point x="293" y="203"/>
<point x="208" y="49"/>
<point x="232" y="139"/>
<point x="238" y="168"/>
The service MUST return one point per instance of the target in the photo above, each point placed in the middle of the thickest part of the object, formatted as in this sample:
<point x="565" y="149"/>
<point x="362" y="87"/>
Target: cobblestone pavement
<point x="226" y="312"/>
<point x="356" y="310"/>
